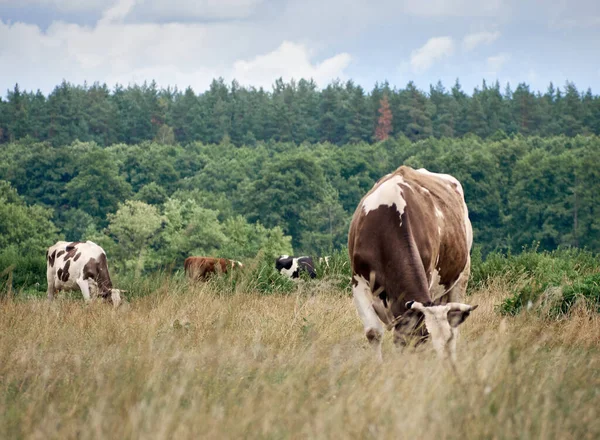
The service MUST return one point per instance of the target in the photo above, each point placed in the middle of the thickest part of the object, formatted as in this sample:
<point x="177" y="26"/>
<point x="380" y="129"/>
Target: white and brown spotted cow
<point x="409" y="245"/>
<point x="80" y="266"/>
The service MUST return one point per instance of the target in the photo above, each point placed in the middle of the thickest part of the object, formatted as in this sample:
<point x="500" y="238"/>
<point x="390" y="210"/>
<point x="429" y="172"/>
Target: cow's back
<point x="202" y="267"/>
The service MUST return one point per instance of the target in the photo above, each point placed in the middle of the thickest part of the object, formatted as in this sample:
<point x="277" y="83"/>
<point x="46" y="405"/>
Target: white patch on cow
<point x="468" y="228"/>
<point x="425" y="190"/>
<point x="293" y="268"/>
<point x="387" y="194"/>
<point x="363" y="300"/>
<point x="438" y="213"/>
<point x="443" y="335"/>
<point x="439" y="230"/>
<point x="436" y="288"/>
<point x="455" y="184"/>
<point x="284" y="256"/>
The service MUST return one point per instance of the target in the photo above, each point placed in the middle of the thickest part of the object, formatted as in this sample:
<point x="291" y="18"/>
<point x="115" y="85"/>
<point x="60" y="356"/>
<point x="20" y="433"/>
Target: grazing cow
<point x="80" y="266"/>
<point x="200" y="268"/>
<point x="292" y="266"/>
<point x="409" y="244"/>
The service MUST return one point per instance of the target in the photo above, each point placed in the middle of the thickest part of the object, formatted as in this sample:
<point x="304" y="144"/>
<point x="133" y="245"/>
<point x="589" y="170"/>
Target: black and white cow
<point x="292" y="266"/>
<point x="80" y="266"/>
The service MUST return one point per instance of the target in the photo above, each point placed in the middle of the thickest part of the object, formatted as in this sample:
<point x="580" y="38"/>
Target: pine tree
<point x="384" y="123"/>
<point x="418" y="114"/>
<point x="443" y="116"/>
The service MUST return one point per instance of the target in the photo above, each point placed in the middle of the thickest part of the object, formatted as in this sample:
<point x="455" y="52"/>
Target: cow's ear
<point x="458" y="315"/>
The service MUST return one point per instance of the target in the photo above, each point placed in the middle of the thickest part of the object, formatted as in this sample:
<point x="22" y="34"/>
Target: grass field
<point x="191" y="362"/>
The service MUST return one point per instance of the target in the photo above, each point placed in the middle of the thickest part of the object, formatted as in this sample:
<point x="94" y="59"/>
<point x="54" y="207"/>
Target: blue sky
<point x="187" y="43"/>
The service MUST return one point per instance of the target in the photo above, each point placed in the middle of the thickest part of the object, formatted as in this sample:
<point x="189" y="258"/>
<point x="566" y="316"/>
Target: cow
<point x="75" y="265"/>
<point x="200" y="268"/>
<point x="292" y="266"/>
<point x="409" y="245"/>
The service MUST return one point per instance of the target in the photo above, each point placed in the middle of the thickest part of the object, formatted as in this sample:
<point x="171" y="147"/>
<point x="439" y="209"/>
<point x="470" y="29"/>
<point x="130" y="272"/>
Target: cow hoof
<point x="373" y="336"/>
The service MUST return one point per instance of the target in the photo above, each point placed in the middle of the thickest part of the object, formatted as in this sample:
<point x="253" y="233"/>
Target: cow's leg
<point x="84" y="285"/>
<point x="363" y="300"/>
<point x="50" y="278"/>
<point x="50" y="290"/>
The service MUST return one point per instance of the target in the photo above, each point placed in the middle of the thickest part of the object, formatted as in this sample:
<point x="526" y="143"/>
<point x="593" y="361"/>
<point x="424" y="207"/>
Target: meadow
<point x="252" y="356"/>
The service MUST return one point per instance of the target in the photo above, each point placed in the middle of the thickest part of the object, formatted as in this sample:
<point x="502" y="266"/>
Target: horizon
<point x="319" y="88"/>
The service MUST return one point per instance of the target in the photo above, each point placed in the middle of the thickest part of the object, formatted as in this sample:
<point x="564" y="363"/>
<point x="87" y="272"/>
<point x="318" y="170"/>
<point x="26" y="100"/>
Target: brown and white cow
<point x="80" y="266"/>
<point x="409" y="245"/>
<point x="200" y="268"/>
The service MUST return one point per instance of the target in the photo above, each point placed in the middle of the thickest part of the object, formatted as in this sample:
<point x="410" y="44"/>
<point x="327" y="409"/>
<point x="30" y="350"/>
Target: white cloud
<point x="471" y="41"/>
<point x="435" y="49"/>
<point x="172" y="54"/>
<point x="496" y="62"/>
<point x="118" y="11"/>
<point x="289" y="60"/>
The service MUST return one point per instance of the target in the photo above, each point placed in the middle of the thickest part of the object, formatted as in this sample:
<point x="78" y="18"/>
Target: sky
<point x="189" y="42"/>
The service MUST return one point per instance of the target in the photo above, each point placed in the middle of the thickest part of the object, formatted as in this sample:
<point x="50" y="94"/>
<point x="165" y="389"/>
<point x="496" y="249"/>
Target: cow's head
<point x="441" y="323"/>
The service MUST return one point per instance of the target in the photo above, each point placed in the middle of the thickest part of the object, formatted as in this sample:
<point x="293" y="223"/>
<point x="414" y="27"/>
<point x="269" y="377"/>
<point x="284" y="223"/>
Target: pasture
<point x="223" y="359"/>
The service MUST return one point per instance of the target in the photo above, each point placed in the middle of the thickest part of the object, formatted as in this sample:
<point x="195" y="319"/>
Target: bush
<point x="550" y="281"/>
<point x="337" y="268"/>
<point x="25" y="272"/>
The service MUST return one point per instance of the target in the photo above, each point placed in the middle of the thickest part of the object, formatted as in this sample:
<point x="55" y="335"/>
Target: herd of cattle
<point x="409" y="245"/>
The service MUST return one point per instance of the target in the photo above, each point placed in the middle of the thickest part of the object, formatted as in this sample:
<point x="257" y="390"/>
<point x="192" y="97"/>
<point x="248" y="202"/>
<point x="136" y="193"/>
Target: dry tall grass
<point x="185" y="362"/>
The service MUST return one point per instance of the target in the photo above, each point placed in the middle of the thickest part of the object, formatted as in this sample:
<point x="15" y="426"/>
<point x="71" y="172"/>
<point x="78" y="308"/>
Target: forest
<point x="156" y="175"/>
<point x="339" y="113"/>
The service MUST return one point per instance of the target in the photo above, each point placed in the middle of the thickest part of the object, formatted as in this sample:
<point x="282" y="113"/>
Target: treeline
<point x="298" y="112"/>
<point x="223" y="199"/>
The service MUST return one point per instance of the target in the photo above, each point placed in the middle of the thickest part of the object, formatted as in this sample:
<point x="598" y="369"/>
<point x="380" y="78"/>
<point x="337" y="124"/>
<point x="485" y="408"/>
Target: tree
<point x="133" y="228"/>
<point x="443" y="116"/>
<point x="18" y="125"/>
<point x="418" y="114"/>
<point x="248" y="239"/>
<point x="289" y="185"/>
<point x="384" y="123"/>
<point x="476" y="120"/>
<point x="189" y="229"/>
<point x="26" y="228"/>
<point x="359" y="126"/>
<point x="98" y="188"/>
<point x="165" y="135"/>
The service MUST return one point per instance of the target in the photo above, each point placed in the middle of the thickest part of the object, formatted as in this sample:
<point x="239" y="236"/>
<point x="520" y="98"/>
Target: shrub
<point x="549" y="281"/>
<point x="23" y="271"/>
